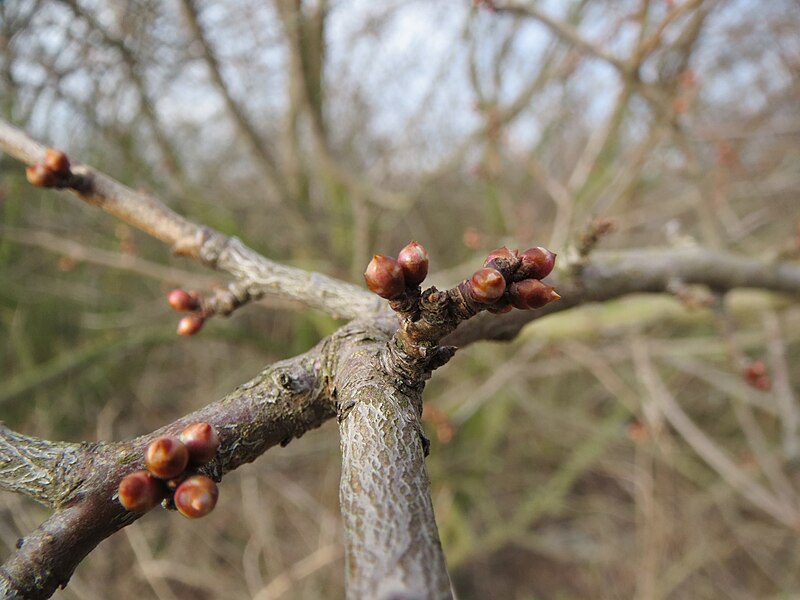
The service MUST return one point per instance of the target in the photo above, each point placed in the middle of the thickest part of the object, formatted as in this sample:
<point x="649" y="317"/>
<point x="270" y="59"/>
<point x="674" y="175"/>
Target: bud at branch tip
<point x="413" y="260"/>
<point x="385" y="277"/>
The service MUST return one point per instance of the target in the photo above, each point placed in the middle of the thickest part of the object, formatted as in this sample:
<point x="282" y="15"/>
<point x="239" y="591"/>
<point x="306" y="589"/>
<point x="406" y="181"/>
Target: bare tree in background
<point x="642" y="440"/>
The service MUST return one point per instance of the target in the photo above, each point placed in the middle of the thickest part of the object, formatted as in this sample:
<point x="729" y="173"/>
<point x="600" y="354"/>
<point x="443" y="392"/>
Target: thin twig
<point x="257" y="275"/>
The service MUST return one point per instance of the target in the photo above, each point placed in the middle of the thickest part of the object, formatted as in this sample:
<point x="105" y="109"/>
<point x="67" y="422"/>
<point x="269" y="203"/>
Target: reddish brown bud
<point x="196" y="497"/>
<point x="190" y="324"/>
<point x="181" y="300"/>
<point x="413" y="259"/>
<point x="385" y="277"/>
<point x="56" y="161"/>
<point x="502" y="253"/>
<point x="537" y="263"/>
<point x="202" y="442"/>
<point x="755" y="369"/>
<point x="40" y="176"/>
<point x="531" y="293"/>
<point x="487" y="285"/>
<point x="756" y="375"/>
<point x="139" y="492"/>
<point x="166" y="457"/>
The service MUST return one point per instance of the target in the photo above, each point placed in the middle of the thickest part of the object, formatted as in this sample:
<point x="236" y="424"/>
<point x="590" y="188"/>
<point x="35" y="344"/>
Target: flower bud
<point x="202" y="442"/>
<point x="487" y="285"/>
<point x="196" y="497"/>
<point x="413" y="260"/>
<point x="166" y="457"/>
<point x="40" y="176"/>
<point x="502" y="253"/>
<point x="139" y="492"/>
<point x="531" y="293"/>
<point x="385" y="277"/>
<point x="190" y="324"/>
<point x="181" y="300"/>
<point x="56" y="161"/>
<point x="537" y="263"/>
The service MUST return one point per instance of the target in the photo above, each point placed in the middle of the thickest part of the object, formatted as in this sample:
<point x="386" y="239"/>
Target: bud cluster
<point x="170" y="462"/>
<point x="53" y="172"/>
<point x="513" y="279"/>
<point x="183" y="301"/>
<point x="390" y="278"/>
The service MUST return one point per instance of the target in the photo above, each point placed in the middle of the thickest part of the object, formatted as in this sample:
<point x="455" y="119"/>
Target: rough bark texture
<point x="392" y="542"/>
<point x="281" y="403"/>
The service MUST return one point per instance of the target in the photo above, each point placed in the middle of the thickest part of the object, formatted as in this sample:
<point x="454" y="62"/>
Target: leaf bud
<point x="537" y="263"/>
<point x="385" y="277"/>
<point x="190" y="324"/>
<point x="201" y="440"/>
<point x="166" y="457"/>
<point x="56" y="161"/>
<point x="139" y="492"/>
<point x="196" y="497"/>
<point x="181" y="300"/>
<point x="488" y="285"/>
<point x="40" y="176"/>
<point x="504" y="254"/>
<point x="413" y="260"/>
<point x="531" y="293"/>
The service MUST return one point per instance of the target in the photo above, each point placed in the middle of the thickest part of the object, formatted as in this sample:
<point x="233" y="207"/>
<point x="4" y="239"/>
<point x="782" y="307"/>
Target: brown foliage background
<point x="321" y="133"/>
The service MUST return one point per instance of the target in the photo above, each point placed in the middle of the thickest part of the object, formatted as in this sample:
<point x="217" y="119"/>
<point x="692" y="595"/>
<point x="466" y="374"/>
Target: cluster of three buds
<point x="167" y="459"/>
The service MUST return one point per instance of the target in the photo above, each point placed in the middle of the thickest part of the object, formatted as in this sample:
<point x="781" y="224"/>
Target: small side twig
<point x="255" y="274"/>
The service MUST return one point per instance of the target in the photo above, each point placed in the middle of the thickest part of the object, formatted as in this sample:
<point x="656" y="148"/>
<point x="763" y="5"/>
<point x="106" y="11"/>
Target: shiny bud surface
<point x="190" y="325"/>
<point x="413" y="260"/>
<point x="56" y="161"/>
<point x="201" y="440"/>
<point x="531" y="293"/>
<point x="537" y="263"/>
<point x="139" y="492"/>
<point x="181" y="300"/>
<point x="487" y="285"/>
<point x="166" y="457"/>
<point x="196" y="497"/>
<point x="385" y="277"/>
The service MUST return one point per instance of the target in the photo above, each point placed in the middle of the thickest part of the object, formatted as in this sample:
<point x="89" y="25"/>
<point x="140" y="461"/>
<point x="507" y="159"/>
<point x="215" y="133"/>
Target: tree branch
<point x="256" y="275"/>
<point x="38" y="468"/>
<point x="370" y="373"/>
<point x="391" y="537"/>
<point x="80" y="480"/>
<point x="608" y="275"/>
<point x="243" y="123"/>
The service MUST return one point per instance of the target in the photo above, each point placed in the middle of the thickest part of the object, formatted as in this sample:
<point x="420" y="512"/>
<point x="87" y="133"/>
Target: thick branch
<point x="391" y="538"/>
<point x="255" y="274"/>
<point x="38" y="468"/>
